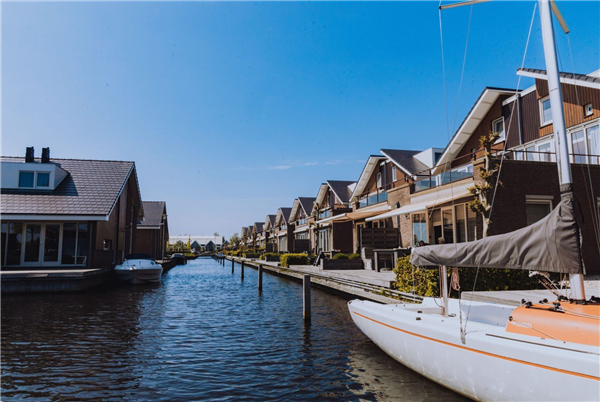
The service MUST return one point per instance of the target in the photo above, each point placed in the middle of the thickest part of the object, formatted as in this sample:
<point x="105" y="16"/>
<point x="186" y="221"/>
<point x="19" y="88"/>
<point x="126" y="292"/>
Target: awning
<point x="334" y="218"/>
<point x="423" y="206"/>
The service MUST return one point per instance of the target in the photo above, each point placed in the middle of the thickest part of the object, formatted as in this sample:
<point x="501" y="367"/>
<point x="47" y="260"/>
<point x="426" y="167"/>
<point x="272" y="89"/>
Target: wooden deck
<point x="365" y="284"/>
<point x="52" y="280"/>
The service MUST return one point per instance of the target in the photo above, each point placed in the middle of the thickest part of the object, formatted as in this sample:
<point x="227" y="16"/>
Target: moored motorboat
<point x="139" y="268"/>
<point x="179" y="259"/>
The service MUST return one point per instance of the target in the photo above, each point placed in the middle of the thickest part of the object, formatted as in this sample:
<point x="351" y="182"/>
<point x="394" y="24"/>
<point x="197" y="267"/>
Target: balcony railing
<point x="302" y="222"/>
<point x="325" y="214"/>
<point x="373" y="199"/>
<point x="440" y="179"/>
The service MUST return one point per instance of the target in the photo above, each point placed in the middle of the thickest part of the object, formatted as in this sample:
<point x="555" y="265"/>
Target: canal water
<point x="201" y="335"/>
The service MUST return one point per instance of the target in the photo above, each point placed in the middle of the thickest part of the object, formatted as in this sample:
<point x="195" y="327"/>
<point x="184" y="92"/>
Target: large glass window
<point x="32" y="242"/>
<point x="594" y="144"/>
<point x="578" y="142"/>
<point x="448" y="226"/>
<point x="471" y="225"/>
<point x="324" y="239"/>
<point x="546" y="111"/>
<point x="461" y="224"/>
<point x="545" y="152"/>
<point x="51" y="242"/>
<point x="419" y="226"/>
<point x="69" y="243"/>
<point x="537" y="210"/>
<point x="14" y="243"/>
<point x="26" y="179"/>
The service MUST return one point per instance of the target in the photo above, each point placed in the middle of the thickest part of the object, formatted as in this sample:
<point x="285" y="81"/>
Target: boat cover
<point x="551" y="245"/>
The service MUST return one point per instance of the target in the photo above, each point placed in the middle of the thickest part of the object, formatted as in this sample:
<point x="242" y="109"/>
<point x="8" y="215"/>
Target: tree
<point x="216" y="234"/>
<point x="234" y="240"/>
<point x="484" y="193"/>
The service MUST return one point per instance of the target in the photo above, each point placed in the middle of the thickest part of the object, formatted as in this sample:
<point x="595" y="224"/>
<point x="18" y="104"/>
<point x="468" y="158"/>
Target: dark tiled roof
<point x="259" y="226"/>
<point x="91" y="188"/>
<point x="271" y="218"/>
<point x="571" y="76"/>
<point x="405" y="159"/>
<point x="340" y="188"/>
<point x="307" y="204"/>
<point x="153" y="212"/>
<point x="286" y="211"/>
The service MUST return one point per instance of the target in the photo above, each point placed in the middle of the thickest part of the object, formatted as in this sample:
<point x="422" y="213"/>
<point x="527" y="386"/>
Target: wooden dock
<point x="52" y="280"/>
<point x="365" y="284"/>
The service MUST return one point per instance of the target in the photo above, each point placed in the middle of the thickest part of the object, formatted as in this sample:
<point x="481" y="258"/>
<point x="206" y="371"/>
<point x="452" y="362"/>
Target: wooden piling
<point x="306" y="297"/>
<point x="232" y="266"/>
<point x="260" y="274"/>
<point x="242" y="271"/>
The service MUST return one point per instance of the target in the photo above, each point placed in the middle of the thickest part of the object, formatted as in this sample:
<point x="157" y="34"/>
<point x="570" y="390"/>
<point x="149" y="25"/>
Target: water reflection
<point x="202" y="334"/>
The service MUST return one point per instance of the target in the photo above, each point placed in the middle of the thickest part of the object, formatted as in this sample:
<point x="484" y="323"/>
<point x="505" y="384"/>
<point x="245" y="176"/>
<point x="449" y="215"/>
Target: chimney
<point x="29" y="154"/>
<point x="46" y="155"/>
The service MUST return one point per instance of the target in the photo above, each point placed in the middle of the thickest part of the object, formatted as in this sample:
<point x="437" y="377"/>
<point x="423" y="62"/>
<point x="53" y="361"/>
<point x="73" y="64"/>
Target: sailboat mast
<point x="558" y="120"/>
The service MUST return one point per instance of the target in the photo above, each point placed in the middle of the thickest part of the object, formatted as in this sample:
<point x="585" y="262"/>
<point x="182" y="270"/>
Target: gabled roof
<point x="341" y="189"/>
<point x="269" y="222"/>
<point x="90" y="191"/>
<point x="307" y="204"/>
<point x="304" y="203"/>
<point x="367" y="171"/>
<point x="470" y="123"/>
<point x="283" y="214"/>
<point x="153" y="213"/>
<point x="405" y="160"/>
<point x="243" y="233"/>
<point x="258" y="227"/>
<point x="589" y="81"/>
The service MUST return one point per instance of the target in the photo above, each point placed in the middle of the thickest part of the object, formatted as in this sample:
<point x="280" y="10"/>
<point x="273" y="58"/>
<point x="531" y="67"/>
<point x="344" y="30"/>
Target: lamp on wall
<point x="397" y="205"/>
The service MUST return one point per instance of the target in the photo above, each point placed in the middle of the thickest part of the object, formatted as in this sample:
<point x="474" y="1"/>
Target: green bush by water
<point x="340" y="256"/>
<point x="293" y="259"/>
<point x="425" y="282"/>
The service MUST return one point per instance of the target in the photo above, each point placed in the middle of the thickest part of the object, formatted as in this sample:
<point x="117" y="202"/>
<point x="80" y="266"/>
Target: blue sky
<point x="232" y="110"/>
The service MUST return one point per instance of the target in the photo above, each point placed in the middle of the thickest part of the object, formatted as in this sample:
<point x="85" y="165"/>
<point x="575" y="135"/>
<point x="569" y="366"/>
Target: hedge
<point x="265" y="255"/>
<point x="354" y="256"/>
<point x="293" y="259"/>
<point x="340" y="256"/>
<point x="425" y="282"/>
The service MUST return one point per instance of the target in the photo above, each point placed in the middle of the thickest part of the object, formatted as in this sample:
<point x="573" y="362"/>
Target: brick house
<point x="301" y="216"/>
<point x="258" y="234"/>
<point x="152" y="233"/>
<point x="284" y="230"/>
<point x="269" y="229"/>
<point x="436" y="203"/>
<point x="67" y="213"/>
<point x="333" y="200"/>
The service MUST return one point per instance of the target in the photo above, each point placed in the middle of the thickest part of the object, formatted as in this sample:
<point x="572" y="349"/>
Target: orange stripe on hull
<point x="590" y="377"/>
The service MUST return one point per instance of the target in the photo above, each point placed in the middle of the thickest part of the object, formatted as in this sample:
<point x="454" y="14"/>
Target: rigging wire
<point x="508" y="131"/>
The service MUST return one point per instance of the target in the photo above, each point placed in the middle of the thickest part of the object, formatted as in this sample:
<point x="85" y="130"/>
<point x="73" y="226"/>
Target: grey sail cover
<point x="551" y="245"/>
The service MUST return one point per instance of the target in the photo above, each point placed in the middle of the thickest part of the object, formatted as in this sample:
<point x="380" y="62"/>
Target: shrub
<point x="354" y="256"/>
<point x="265" y="255"/>
<point x="425" y="282"/>
<point x="340" y="256"/>
<point x="293" y="259"/>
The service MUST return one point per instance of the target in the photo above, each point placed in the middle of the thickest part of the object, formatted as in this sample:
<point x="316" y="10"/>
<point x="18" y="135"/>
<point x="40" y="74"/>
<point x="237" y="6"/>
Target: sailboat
<point x="546" y="351"/>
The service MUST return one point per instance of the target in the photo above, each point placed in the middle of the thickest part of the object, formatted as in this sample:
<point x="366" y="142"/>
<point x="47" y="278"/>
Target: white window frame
<point x="502" y="134"/>
<point x="378" y="180"/>
<point x="26" y="171"/>
<point x="36" y="180"/>
<point x="588" y="110"/>
<point x="394" y="174"/>
<point x="541" y="103"/>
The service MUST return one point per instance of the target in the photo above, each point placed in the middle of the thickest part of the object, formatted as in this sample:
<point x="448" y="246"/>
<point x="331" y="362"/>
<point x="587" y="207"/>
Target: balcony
<point x="440" y="179"/>
<point x="302" y="222"/>
<point x="373" y="199"/>
<point x="325" y="214"/>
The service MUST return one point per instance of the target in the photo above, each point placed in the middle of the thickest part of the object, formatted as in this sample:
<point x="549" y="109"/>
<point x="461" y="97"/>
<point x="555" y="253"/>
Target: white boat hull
<point x="492" y="365"/>
<point x="136" y="272"/>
